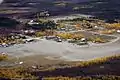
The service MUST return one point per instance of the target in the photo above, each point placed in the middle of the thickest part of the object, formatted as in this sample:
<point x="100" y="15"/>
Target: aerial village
<point x="65" y="28"/>
<point x="59" y="40"/>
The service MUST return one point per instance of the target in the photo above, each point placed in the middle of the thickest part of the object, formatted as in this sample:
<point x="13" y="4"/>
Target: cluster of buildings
<point x="15" y="39"/>
<point x="55" y="38"/>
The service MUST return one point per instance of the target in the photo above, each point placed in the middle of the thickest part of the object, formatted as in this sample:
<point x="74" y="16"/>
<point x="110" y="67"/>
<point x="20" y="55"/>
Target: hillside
<point x="6" y="22"/>
<point x="99" y="69"/>
<point x="102" y="8"/>
<point x="109" y="9"/>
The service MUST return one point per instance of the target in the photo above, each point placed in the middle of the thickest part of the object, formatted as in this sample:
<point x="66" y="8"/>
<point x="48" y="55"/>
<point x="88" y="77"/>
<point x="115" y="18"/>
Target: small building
<point x="50" y="37"/>
<point x="29" y="32"/>
<point x="28" y="40"/>
<point x="118" y="31"/>
<point x="20" y="62"/>
<point x="83" y="40"/>
<point x="98" y="27"/>
<point x="32" y="22"/>
<point x="58" y="39"/>
<point x="4" y="45"/>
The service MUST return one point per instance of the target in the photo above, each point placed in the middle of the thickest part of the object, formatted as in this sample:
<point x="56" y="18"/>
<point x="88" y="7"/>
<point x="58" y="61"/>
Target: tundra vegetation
<point x="72" y="71"/>
<point x="3" y="57"/>
<point x="106" y="68"/>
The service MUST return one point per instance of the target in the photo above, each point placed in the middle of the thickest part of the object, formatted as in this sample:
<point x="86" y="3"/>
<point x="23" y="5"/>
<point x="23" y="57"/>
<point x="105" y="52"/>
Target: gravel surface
<point x="63" y="50"/>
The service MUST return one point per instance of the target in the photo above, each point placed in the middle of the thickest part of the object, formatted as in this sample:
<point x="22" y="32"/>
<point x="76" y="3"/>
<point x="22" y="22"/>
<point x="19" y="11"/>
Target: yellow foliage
<point x="105" y="77"/>
<point x="108" y="31"/>
<point x="96" y="61"/>
<point x="87" y="63"/>
<point x="78" y="26"/>
<point x="65" y="35"/>
<point x="77" y="36"/>
<point x="15" y="73"/>
<point x="113" y="26"/>
<point x="98" y="40"/>
<point x="39" y="34"/>
<point x="70" y="36"/>
<point x="3" y="57"/>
